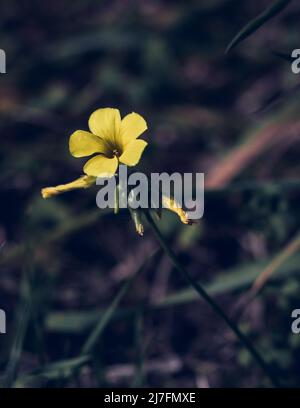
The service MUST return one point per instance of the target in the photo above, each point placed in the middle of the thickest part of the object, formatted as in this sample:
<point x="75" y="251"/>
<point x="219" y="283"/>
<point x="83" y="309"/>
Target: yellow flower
<point x="114" y="140"/>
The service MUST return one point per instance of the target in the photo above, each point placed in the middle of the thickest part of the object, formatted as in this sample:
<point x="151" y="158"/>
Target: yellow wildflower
<point x="114" y="140"/>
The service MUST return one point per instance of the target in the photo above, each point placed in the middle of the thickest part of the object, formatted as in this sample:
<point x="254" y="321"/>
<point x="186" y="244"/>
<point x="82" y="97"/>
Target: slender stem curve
<point x="216" y="308"/>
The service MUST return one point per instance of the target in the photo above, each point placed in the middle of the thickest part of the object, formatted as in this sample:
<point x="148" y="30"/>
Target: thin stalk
<point x="216" y="308"/>
<point x="117" y="194"/>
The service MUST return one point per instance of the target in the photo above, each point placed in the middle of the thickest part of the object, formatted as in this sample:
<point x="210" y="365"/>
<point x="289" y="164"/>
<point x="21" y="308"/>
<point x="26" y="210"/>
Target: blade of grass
<point x="236" y="280"/>
<point x="255" y="24"/>
<point x="70" y="366"/>
<point x="254" y="144"/>
<point x="283" y="56"/>
<point x="108" y="314"/>
<point x="292" y="247"/>
<point x="21" y="329"/>
<point x="274" y="266"/>
<point x="53" y="371"/>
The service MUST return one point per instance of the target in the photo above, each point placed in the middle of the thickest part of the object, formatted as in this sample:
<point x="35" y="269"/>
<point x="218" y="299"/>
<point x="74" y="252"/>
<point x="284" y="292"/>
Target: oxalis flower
<point x="113" y="141"/>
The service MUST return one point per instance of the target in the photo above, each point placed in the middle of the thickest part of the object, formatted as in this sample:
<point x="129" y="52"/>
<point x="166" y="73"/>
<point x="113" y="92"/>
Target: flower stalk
<point x="216" y="308"/>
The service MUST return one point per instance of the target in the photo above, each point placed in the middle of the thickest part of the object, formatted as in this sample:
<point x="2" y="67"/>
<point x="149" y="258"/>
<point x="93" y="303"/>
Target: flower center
<point x="116" y="152"/>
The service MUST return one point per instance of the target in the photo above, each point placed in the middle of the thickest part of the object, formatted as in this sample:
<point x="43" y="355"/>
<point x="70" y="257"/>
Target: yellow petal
<point x="133" y="152"/>
<point x="101" y="166"/>
<point x="132" y="126"/>
<point x="171" y="204"/>
<point x="83" y="144"/>
<point x="82" y="182"/>
<point x="106" y="124"/>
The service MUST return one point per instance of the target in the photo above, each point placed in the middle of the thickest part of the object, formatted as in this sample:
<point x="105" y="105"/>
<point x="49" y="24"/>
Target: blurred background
<point x="63" y="262"/>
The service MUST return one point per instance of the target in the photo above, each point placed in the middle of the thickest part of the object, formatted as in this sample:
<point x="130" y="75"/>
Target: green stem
<point x="216" y="308"/>
<point x="117" y="193"/>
